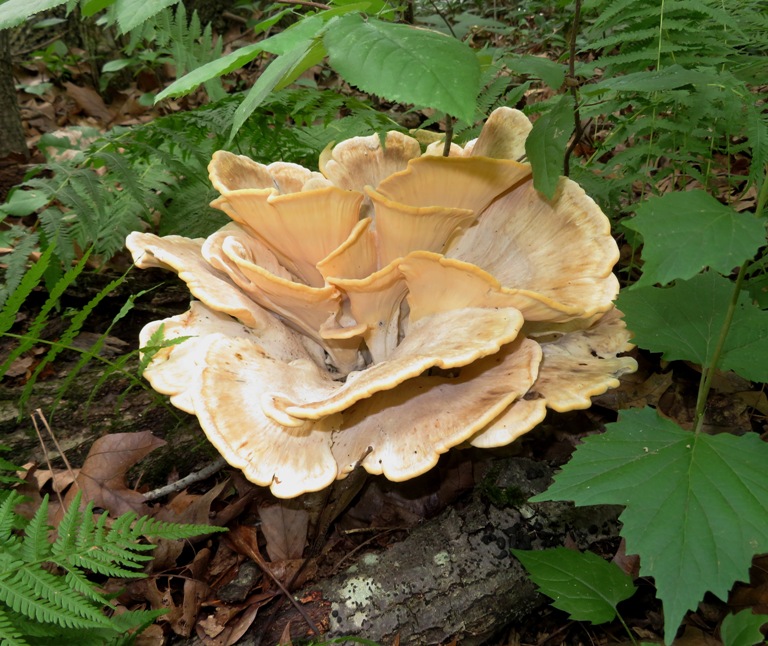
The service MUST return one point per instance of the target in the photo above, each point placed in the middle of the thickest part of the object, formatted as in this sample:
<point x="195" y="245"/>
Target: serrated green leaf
<point x="684" y="321"/>
<point x="545" y="146"/>
<point x="406" y="64"/>
<point x="743" y="629"/>
<point x="130" y="14"/>
<point x="17" y="11"/>
<point x="695" y="504"/>
<point x="581" y="584"/>
<point x="714" y="236"/>
<point x="552" y="73"/>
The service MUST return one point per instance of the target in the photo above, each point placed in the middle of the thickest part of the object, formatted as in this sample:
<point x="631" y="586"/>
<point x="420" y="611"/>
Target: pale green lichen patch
<point x="441" y="559"/>
<point x="370" y="559"/>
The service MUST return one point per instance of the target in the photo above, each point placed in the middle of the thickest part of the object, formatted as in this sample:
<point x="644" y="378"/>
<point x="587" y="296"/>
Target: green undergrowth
<point x="49" y="590"/>
<point x="656" y="108"/>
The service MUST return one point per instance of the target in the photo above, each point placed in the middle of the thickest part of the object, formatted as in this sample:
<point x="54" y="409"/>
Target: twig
<point x="182" y="483"/>
<point x="442" y="15"/>
<point x="235" y="17"/>
<point x="39" y="413"/>
<point x="243" y="545"/>
<point x="305" y="3"/>
<point x="578" y="131"/>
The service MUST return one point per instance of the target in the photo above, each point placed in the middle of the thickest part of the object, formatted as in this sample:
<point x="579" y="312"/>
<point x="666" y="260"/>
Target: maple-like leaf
<point x="695" y="505"/>
<point x="581" y="584"/>
<point x="102" y="476"/>
<point x="684" y="322"/>
<point x="714" y="236"/>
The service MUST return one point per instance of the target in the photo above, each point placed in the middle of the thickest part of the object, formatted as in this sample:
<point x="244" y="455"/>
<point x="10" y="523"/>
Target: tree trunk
<point x="11" y="133"/>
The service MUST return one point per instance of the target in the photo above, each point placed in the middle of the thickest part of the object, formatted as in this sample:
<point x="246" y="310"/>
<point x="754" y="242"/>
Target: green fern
<point x="45" y="592"/>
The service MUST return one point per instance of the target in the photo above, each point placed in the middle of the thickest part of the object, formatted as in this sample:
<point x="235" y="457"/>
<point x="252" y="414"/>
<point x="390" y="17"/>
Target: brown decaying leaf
<point x="90" y="101"/>
<point x="102" y="476"/>
<point x="285" y="638"/>
<point x="184" y="508"/>
<point x="285" y="527"/>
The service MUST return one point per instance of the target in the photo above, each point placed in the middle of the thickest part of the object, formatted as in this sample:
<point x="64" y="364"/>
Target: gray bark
<point x="11" y="133"/>
<point x="454" y="576"/>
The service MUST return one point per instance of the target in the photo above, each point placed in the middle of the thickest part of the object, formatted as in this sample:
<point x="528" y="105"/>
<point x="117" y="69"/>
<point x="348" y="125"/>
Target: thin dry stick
<point x="305" y="3"/>
<point x="253" y="554"/>
<point x="39" y="413"/>
<point x="182" y="483"/>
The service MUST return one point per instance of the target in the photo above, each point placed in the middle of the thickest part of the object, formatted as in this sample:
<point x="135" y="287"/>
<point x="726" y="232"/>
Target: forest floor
<point x="212" y="590"/>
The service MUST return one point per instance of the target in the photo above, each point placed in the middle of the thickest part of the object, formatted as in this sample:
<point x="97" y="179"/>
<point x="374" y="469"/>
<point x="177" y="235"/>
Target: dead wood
<point x="454" y="576"/>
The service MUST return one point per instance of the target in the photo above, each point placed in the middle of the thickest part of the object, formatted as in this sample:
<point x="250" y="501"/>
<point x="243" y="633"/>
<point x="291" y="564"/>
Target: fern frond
<point x="35" y="548"/>
<point x="10" y="635"/>
<point x="147" y="526"/>
<point x="30" y="280"/>
<point x="16" y="264"/>
<point x="8" y="522"/>
<point x="44" y="597"/>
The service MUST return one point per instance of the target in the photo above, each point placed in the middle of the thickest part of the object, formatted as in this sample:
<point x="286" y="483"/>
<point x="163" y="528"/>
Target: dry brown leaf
<point x="183" y="508"/>
<point x="102" y="476"/>
<point x="90" y="102"/>
<point x="285" y="638"/>
<point x="285" y="527"/>
<point x="242" y="625"/>
<point x="195" y="591"/>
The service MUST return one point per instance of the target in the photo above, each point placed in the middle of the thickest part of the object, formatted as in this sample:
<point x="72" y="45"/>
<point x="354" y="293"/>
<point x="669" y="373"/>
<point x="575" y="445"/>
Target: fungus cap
<point x="388" y="308"/>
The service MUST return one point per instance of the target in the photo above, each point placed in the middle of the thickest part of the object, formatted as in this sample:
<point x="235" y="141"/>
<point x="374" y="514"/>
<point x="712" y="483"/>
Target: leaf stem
<point x="708" y="372"/>
<point x="448" y="135"/>
<point x="626" y="628"/>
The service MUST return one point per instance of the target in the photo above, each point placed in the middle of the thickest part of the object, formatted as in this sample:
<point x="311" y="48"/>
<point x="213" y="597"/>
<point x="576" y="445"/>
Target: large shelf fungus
<point x="388" y="308"/>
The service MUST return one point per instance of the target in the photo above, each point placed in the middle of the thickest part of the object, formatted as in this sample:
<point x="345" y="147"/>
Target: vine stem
<point x="709" y="371"/>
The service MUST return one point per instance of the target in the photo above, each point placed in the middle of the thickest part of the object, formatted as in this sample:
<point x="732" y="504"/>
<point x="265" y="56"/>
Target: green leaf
<point x="684" y="322"/>
<point x="214" y="69"/>
<point x="545" y="146"/>
<point x="282" y="70"/>
<point x="406" y="64"/>
<point x="130" y="13"/>
<point x="714" y="236"/>
<point x="695" y="504"/>
<point x="17" y="11"/>
<point x="116" y="65"/>
<point x="23" y="203"/>
<point x="581" y="584"/>
<point x="743" y="629"/>
<point x="552" y="73"/>
<point x="296" y="36"/>
<point x="91" y="7"/>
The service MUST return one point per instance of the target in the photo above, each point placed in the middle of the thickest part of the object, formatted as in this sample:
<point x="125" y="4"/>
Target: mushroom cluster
<point x="387" y="308"/>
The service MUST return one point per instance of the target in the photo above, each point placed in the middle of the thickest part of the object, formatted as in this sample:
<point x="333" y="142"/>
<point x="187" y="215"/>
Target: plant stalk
<point x="708" y="372"/>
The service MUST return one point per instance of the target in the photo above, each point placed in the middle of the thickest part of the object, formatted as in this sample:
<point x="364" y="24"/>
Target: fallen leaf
<point x="285" y="638"/>
<point x="102" y="476"/>
<point x="90" y="102"/>
<point x="285" y="527"/>
<point x="243" y="624"/>
<point x="184" y="508"/>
